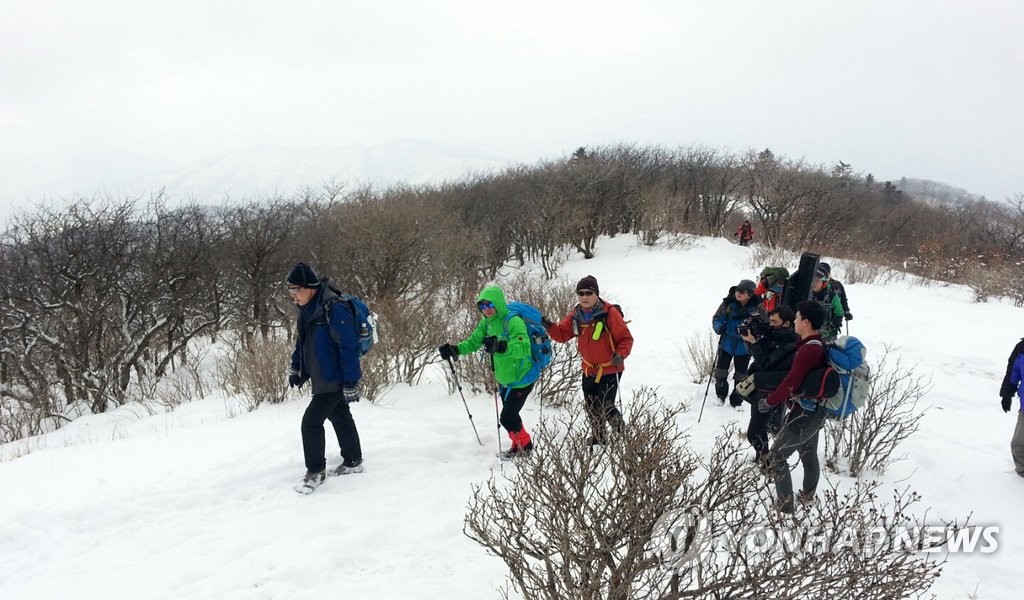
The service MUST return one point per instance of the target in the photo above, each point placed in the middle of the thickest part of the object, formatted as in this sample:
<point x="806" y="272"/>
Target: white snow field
<point x="198" y="503"/>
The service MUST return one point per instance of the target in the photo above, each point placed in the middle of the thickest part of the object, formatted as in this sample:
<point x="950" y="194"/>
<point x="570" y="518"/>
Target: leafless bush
<point x="765" y="255"/>
<point x="868" y="439"/>
<point x="257" y="370"/>
<point x="176" y="387"/>
<point x="648" y="518"/>
<point x="699" y="356"/>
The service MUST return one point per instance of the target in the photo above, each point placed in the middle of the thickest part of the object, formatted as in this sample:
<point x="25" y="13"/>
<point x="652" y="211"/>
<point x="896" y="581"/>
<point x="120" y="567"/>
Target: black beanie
<point x="303" y="275"/>
<point x="588" y="283"/>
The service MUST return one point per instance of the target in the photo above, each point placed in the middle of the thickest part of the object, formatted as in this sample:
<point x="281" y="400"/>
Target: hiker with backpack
<point x="804" y="421"/>
<point x="772" y="351"/>
<point x="737" y="307"/>
<point x="1011" y="386"/>
<point x="505" y="338"/>
<point x="839" y="288"/>
<point x="745" y="233"/>
<point x="327" y="355"/>
<point x="604" y="342"/>
<point x="770" y="286"/>
<point x="823" y="292"/>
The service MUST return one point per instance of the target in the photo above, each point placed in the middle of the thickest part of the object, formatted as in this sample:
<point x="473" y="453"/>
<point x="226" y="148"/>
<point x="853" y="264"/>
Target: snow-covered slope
<point x="198" y="503"/>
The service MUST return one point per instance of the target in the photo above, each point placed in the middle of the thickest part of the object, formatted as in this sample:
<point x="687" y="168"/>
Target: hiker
<point x="822" y="291"/>
<point x="333" y="370"/>
<point x="770" y="286"/>
<point x="745" y="233"/>
<point x="1012" y="385"/>
<point x="805" y="418"/>
<point x="772" y="351"/>
<point x="839" y="289"/>
<point x="604" y="342"/>
<point x="504" y="337"/>
<point x="737" y="307"/>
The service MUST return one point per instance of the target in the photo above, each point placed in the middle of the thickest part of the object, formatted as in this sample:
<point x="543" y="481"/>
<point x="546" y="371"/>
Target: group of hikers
<point x="786" y="342"/>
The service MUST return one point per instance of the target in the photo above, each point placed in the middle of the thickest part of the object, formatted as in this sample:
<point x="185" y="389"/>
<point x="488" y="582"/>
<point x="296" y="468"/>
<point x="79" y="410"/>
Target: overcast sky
<point x="98" y="91"/>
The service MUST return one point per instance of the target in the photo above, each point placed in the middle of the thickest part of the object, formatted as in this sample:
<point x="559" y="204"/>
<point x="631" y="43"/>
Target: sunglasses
<point x="484" y="305"/>
<point x="584" y="293"/>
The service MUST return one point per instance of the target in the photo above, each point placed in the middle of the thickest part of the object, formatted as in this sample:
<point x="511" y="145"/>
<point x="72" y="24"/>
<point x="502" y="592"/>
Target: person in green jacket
<point x="822" y="291"/>
<point x="504" y="337"/>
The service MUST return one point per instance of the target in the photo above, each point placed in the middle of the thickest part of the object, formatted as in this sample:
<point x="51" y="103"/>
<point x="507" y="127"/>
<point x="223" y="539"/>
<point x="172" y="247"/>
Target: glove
<point x="351" y="393"/>
<point x="500" y="346"/>
<point x="1007" y="401"/>
<point x="448" y="351"/>
<point x="295" y="380"/>
<point x="546" y="322"/>
<point x="492" y="344"/>
<point x="763" y="406"/>
<point x="848" y="316"/>
<point x="616" y="360"/>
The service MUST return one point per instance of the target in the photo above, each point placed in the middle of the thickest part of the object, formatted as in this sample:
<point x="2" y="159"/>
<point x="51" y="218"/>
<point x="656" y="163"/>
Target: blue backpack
<point x="846" y="357"/>
<point x="365" y="321"/>
<point x="540" y="342"/>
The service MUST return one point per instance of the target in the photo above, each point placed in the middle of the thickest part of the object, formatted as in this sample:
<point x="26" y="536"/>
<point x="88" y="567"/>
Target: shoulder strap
<point x="327" y="313"/>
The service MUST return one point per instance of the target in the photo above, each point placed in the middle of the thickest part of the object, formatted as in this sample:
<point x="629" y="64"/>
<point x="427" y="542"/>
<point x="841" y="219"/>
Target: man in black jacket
<point x="771" y="351"/>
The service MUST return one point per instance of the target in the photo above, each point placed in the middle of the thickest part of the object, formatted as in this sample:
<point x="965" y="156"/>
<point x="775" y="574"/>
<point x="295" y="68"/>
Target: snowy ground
<point x="197" y="503"/>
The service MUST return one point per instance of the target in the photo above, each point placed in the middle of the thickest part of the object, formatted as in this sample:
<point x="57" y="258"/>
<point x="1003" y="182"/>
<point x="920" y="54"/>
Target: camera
<point x="756" y="325"/>
<point x="743" y="329"/>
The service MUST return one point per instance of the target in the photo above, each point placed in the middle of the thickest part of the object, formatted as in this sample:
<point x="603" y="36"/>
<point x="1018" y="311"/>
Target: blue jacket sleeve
<point x="1018" y="372"/>
<point x="342" y="323"/>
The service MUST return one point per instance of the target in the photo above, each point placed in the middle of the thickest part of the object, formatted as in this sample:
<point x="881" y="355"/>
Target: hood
<point x="495" y="295"/>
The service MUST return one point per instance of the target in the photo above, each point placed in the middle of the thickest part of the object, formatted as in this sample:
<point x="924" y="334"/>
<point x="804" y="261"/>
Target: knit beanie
<point x="588" y="283"/>
<point x="303" y="275"/>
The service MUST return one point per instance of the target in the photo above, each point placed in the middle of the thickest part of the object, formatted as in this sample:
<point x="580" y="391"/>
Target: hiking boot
<point x="785" y="505"/>
<point x="347" y="468"/>
<point x="516" y="451"/>
<point x="310" y="482"/>
<point x="805" y="497"/>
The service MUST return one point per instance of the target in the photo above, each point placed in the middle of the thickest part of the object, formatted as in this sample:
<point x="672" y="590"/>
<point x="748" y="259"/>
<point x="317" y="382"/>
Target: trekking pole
<point x="711" y="376"/>
<point x="451" y="365"/>
<point x="497" y="419"/>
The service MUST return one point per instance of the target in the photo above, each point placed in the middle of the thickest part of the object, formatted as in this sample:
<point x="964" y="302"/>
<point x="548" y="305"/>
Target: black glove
<point x="848" y="316"/>
<point x="763" y="406"/>
<point x="448" y="351"/>
<point x="351" y="393"/>
<point x="489" y="343"/>
<point x="295" y="380"/>
<point x="1007" y="401"/>
<point x="546" y="322"/>
<point x="616" y="360"/>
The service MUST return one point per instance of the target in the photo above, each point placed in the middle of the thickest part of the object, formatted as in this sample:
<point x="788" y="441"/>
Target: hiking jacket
<point x="745" y="232"/>
<point x="329" y="365"/>
<point x="728" y="317"/>
<point x="1009" y="385"/>
<point x="807" y="358"/>
<point x="512" y="365"/>
<point x="841" y="292"/>
<point x="599" y="332"/>
<point x="1016" y="373"/>
<point x="769" y="295"/>
<point x="834" y="307"/>
<point x="775" y="351"/>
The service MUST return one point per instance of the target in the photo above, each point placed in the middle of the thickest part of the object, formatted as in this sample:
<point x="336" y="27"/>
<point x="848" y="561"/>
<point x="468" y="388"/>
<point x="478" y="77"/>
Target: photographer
<point x="772" y="346"/>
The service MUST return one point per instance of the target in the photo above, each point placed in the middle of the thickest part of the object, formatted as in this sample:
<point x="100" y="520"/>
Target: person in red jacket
<point x="745" y="233"/>
<point x="604" y="342"/>
<point x="805" y="419"/>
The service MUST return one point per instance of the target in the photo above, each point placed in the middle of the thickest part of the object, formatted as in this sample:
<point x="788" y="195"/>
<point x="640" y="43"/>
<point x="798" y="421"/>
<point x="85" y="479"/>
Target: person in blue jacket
<point x="737" y="307"/>
<point x="326" y="355"/>
<point x="1012" y="386"/>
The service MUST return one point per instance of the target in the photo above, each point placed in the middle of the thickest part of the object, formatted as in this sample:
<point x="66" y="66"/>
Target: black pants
<point x="722" y="372"/>
<point x="757" y="429"/>
<point x="600" y="404"/>
<point x="799" y="434"/>
<point x="331" y="406"/>
<point x="512" y="401"/>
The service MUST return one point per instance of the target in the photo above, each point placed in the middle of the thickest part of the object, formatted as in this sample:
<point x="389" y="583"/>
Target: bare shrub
<point x="869" y="439"/>
<point x="648" y="518"/>
<point x="256" y="370"/>
<point x="765" y="255"/>
<point x="699" y="356"/>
